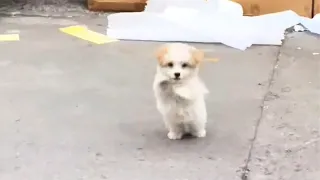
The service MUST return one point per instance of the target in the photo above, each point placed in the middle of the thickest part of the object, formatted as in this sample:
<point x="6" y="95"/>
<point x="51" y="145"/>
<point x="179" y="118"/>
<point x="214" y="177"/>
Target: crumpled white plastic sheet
<point x="219" y="21"/>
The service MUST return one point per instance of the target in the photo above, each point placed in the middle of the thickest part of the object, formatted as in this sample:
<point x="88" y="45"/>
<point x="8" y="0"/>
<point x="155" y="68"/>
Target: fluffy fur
<point x="179" y="92"/>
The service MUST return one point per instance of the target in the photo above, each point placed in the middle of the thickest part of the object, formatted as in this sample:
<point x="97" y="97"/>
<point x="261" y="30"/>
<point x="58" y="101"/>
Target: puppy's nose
<point x="176" y="75"/>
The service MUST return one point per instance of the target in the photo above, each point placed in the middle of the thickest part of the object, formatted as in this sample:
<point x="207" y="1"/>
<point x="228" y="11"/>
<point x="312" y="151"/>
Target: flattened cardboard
<point x="260" y="7"/>
<point x="117" y="5"/>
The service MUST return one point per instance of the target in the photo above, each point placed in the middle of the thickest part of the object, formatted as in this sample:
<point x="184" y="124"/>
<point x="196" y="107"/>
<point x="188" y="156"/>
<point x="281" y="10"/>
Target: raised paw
<point x="174" y="136"/>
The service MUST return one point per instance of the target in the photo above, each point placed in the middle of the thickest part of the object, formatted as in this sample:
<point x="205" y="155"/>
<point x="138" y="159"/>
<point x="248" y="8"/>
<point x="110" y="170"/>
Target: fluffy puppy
<point x="179" y="92"/>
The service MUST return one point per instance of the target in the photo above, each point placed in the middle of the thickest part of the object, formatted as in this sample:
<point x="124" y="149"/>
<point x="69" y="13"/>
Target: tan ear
<point x="197" y="55"/>
<point x="160" y="53"/>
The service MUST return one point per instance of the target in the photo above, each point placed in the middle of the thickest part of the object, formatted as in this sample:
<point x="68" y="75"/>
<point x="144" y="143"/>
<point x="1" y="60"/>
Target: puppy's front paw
<point x="201" y="134"/>
<point x="174" y="136"/>
<point x="183" y="92"/>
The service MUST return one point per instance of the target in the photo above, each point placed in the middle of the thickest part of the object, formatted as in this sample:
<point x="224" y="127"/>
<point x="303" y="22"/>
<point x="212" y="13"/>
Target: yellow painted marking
<point x="9" y="37"/>
<point x="212" y="59"/>
<point x="88" y="35"/>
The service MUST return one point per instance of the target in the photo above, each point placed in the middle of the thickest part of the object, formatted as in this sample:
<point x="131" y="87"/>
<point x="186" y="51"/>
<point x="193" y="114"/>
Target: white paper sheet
<point x="159" y="6"/>
<point x="313" y="25"/>
<point x="185" y="23"/>
<point x="195" y="21"/>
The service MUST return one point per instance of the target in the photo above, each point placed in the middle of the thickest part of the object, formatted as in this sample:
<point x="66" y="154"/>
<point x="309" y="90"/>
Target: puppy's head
<point x="178" y="62"/>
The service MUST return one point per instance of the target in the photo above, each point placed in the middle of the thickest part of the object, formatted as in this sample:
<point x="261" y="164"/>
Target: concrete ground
<point x="70" y="110"/>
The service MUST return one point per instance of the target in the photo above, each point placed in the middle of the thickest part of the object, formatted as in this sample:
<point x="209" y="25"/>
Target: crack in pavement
<point x="245" y="169"/>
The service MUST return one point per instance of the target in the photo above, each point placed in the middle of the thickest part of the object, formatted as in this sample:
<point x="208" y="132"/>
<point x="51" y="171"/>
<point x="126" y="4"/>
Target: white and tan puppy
<point x="179" y="91"/>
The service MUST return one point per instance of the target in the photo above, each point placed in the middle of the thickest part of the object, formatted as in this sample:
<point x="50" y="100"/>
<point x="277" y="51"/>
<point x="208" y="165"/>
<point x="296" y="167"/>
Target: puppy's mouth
<point x="176" y="78"/>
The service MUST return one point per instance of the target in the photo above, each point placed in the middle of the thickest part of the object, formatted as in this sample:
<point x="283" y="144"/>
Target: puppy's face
<point x="178" y="61"/>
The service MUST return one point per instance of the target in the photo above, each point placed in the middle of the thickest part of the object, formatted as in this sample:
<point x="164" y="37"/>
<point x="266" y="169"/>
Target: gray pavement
<point x="71" y="110"/>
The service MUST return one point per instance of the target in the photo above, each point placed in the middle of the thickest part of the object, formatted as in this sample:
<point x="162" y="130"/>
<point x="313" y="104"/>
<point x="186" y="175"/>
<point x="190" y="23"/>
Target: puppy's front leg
<point x="183" y="92"/>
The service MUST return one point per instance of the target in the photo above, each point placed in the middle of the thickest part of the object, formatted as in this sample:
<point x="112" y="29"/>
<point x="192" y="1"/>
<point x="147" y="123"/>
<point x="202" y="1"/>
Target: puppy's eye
<point x="170" y="64"/>
<point x="184" y="65"/>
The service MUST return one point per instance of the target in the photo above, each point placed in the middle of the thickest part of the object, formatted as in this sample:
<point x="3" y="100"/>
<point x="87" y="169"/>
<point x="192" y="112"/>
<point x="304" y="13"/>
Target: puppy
<point x="179" y="92"/>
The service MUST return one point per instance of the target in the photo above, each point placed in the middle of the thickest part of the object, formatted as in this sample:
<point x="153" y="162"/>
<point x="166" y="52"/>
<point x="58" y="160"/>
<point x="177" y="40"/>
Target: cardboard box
<point x="259" y="7"/>
<point x="316" y="7"/>
<point x="117" y="5"/>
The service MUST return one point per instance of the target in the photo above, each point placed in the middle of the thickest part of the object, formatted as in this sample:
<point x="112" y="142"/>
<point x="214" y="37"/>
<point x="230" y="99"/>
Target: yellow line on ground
<point x="9" y="37"/>
<point x="86" y="34"/>
<point x="212" y="59"/>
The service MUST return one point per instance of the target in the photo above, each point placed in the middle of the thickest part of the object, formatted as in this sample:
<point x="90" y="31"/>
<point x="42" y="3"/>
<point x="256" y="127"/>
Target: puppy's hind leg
<point x="200" y="119"/>
<point x="199" y="129"/>
<point x="198" y="126"/>
<point x="175" y="130"/>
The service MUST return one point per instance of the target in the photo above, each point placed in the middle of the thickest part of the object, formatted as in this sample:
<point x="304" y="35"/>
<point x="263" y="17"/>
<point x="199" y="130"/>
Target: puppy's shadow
<point x="188" y="136"/>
